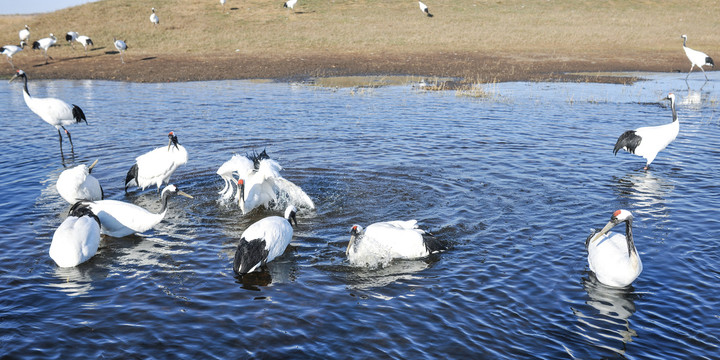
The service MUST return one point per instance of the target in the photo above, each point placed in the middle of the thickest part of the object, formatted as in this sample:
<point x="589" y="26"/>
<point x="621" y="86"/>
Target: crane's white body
<point x="24" y="34"/>
<point x="383" y="241"/>
<point x="697" y="58"/>
<point x="77" y="184"/>
<point x="45" y="44"/>
<point x="54" y="111"/>
<point x="656" y="139"/>
<point x="154" y="18"/>
<point x="10" y="50"/>
<point x="121" y="46"/>
<point x="120" y="219"/>
<point x="70" y="37"/>
<point x="608" y="258"/>
<point x="156" y="167"/>
<point x="85" y="41"/>
<point x="424" y="9"/>
<point x="264" y="240"/>
<point x="290" y="4"/>
<point x="613" y="256"/>
<point x="648" y="141"/>
<point x="75" y="241"/>
<point x="261" y="186"/>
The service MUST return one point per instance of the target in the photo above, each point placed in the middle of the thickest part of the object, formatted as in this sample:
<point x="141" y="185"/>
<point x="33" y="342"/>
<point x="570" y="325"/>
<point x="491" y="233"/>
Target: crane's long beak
<point x="353" y="235"/>
<point x="93" y="165"/>
<point x="604" y="231"/>
<point x="241" y="191"/>
<point x="173" y="142"/>
<point x="13" y="78"/>
<point x="180" y="192"/>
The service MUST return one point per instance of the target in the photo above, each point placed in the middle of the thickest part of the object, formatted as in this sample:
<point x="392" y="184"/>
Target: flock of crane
<point x="45" y="43"/>
<point x="253" y="180"/>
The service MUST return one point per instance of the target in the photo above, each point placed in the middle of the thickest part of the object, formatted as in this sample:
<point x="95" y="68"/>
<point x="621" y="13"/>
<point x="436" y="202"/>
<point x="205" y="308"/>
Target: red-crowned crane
<point x="697" y="58"/>
<point x="263" y="241"/>
<point x="54" y="111"/>
<point x="613" y="256"/>
<point x="45" y="44"/>
<point x="85" y="41"/>
<point x="154" y="18"/>
<point x="259" y="183"/>
<point x="24" y="34"/>
<point x="76" y="240"/>
<point x="10" y="50"/>
<point x="424" y="9"/>
<point x="290" y="4"/>
<point x="155" y="167"/>
<point x="119" y="218"/>
<point x="121" y="46"/>
<point x="382" y="242"/>
<point x="648" y="141"/>
<point x="77" y="183"/>
<point x="70" y="37"/>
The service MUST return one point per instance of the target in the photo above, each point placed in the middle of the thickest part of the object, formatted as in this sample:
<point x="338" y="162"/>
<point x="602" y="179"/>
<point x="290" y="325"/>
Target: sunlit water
<point x="514" y="183"/>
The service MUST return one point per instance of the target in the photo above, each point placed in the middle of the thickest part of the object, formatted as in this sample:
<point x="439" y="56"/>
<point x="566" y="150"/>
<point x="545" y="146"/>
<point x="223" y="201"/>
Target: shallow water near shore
<point x="513" y="177"/>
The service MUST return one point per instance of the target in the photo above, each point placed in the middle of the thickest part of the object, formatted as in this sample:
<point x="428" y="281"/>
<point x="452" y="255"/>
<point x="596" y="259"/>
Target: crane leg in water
<point x="72" y="147"/>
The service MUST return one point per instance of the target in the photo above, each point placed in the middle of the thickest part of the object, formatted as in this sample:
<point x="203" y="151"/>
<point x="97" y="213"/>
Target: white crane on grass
<point x="154" y="18"/>
<point x="45" y="44"/>
<point x="10" y="50"/>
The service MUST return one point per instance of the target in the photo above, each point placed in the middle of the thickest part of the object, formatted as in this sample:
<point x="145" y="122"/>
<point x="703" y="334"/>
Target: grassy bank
<point x="526" y="32"/>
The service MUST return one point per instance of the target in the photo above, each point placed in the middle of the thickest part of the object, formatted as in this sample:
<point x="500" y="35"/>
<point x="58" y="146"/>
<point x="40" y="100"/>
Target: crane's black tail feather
<point x="628" y="140"/>
<point x="132" y="175"/>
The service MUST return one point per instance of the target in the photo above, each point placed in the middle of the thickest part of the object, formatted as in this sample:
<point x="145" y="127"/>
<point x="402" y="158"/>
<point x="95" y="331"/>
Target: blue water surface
<point x="513" y="180"/>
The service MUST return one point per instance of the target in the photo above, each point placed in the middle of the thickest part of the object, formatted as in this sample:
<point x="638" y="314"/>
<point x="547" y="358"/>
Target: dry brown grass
<point x="527" y="31"/>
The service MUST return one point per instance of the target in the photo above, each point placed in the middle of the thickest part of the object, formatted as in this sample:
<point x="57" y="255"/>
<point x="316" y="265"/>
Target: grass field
<point x="527" y="32"/>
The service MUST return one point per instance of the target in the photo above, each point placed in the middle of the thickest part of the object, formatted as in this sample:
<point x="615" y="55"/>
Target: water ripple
<point x="513" y="184"/>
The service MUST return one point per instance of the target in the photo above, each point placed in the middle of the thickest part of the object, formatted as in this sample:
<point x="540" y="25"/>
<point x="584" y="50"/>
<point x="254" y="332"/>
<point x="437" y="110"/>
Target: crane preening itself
<point x="382" y="242"/>
<point x="155" y="167"/>
<point x="613" y="257"/>
<point x="697" y="58"/>
<point x="24" y="34"/>
<point x="54" y="111"/>
<point x="263" y="241"/>
<point x="648" y="141"/>
<point x="76" y="240"/>
<point x="77" y="184"/>
<point x="259" y="183"/>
